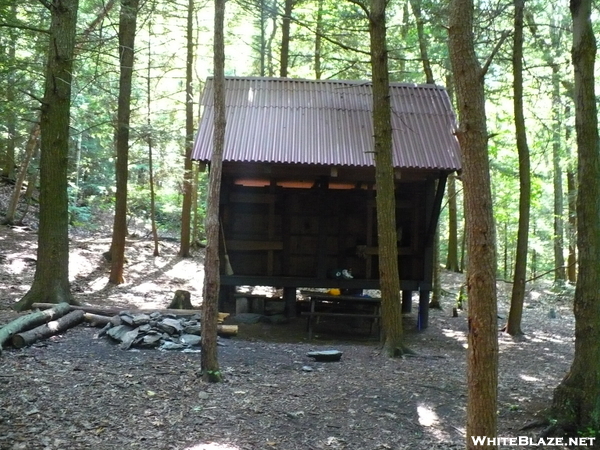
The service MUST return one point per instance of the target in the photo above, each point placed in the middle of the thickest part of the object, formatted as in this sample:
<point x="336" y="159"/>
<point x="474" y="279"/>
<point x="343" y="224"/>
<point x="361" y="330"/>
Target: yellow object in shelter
<point x="334" y="292"/>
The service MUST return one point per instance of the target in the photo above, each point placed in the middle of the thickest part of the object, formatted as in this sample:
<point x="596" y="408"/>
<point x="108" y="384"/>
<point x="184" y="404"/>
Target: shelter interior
<point x="298" y="226"/>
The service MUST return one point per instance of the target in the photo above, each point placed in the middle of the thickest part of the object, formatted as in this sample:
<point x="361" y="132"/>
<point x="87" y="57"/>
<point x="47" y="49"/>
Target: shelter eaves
<point x="326" y="122"/>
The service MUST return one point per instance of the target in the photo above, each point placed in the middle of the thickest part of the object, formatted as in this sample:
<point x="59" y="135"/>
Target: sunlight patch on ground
<point x="97" y="284"/>
<point x="427" y="416"/>
<point x="540" y="336"/>
<point x="529" y="378"/>
<point x="212" y="446"/>
<point x="430" y="420"/>
<point x="460" y="336"/>
<point x="79" y="266"/>
<point x="17" y="266"/>
<point x="534" y="295"/>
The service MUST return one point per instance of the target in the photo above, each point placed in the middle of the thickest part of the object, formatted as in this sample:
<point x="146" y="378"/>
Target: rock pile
<point x="154" y="330"/>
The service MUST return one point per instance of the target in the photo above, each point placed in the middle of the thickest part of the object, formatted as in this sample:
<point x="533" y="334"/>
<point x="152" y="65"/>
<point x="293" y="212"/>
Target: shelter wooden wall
<point x="307" y="232"/>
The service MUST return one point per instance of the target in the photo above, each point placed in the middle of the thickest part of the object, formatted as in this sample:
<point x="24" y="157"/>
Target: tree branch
<point x="46" y="4"/>
<point x="361" y="5"/>
<point x="32" y="96"/>
<point x="486" y="66"/>
<point x="330" y="40"/>
<point x="20" y="26"/>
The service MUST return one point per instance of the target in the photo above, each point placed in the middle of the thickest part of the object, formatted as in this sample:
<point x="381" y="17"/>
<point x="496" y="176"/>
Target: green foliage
<point x="589" y="432"/>
<point x="80" y="214"/>
<point x="160" y="74"/>
<point x="214" y="376"/>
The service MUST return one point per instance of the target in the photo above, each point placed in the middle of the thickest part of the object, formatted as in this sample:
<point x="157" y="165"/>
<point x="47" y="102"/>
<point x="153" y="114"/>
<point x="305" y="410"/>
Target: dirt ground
<point x="78" y="391"/>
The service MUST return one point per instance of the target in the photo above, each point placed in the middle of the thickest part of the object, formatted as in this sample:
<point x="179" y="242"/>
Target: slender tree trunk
<point x="30" y="148"/>
<point x="577" y="398"/>
<point x="404" y="31"/>
<point x="51" y="280"/>
<point x="269" y="44"/>
<point x="156" y="251"/>
<point x="318" y="40"/>
<point x="263" y="37"/>
<point x="285" y="38"/>
<point x="196" y="213"/>
<point x="436" y="294"/>
<point x="32" y="177"/>
<point x="384" y="178"/>
<point x="212" y="280"/>
<point x="452" y="263"/>
<point x="416" y="7"/>
<point x="513" y="326"/>
<point x="150" y="139"/>
<point x="127" y="30"/>
<point x="186" y="208"/>
<point x="9" y="170"/>
<point x="559" y="259"/>
<point x="572" y="234"/>
<point x="482" y="355"/>
<point x="452" y="257"/>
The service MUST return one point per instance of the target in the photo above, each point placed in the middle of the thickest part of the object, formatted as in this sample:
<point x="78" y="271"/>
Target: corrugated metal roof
<point x="283" y="120"/>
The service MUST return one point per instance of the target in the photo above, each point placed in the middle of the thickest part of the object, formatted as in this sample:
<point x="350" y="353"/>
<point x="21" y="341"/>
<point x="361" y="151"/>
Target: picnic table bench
<point x="323" y="304"/>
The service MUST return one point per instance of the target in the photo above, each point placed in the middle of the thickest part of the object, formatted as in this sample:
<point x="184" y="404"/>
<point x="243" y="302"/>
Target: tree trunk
<point x="195" y="236"/>
<point x="127" y="29"/>
<point x="188" y="187"/>
<point x="212" y="281"/>
<point x="30" y="148"/>
<point x="577" y="398"/>
<point x="436" y="294"/>
<point x="32" y="177"/>
<point x="32" y="320"/>
<point x="69" y="320"/>
<point x="384" y="178"/>
<point x="572" y="234"/>
<point x="269" y="45"/>
<point x="150" y="139"/>
<point x="452" y="257"/>
<point x="9" y="166"/>
<point x="559" y="259"/>
<point x="416" y="7"/>
<point x="513" y="326"/>
<point x="285" y="38"/>
<point x="319" y="41"/>
<point x="482" y="355"/>
<point x="156" y="251"/>
<point x="51" y="280"/>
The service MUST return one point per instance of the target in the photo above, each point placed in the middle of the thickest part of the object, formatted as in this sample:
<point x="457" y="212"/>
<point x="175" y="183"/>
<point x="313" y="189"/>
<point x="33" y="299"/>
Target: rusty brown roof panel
<point x="328" y="123"/>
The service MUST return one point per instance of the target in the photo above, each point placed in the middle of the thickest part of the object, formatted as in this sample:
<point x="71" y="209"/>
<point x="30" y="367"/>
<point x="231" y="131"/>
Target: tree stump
<point x="182" y="300"/>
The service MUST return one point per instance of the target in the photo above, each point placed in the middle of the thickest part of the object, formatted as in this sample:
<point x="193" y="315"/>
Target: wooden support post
<point x="271" y="228"/>
<point x="322" y="228"/>
<point x="289" y="297"/>
<point x="406" y="302"/>
<point x="423" y="319"/>
<point x="286" y="226"/>
<point x="227" y="301"/>
<point x="370" y="204"/>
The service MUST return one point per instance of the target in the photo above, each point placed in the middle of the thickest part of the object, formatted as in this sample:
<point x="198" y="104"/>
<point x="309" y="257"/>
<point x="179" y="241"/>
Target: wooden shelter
<point x="298" y="186"/>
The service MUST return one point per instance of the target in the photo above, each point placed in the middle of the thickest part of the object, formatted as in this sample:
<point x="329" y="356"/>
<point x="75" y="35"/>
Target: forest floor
<point x="78" y="391"/>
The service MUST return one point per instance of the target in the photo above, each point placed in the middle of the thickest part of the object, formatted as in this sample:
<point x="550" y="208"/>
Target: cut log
<point x="69" y="320"/>
<point x="97" y="320"/>
<point x="227" y="330"/>
<point x="32" y="320"/>
<point x="116" y="311"/>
